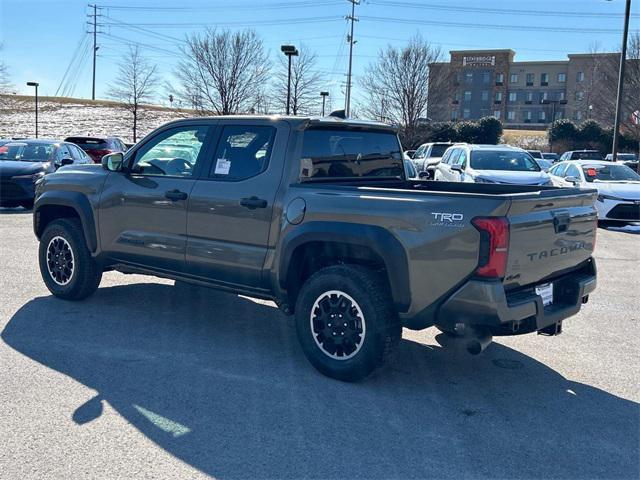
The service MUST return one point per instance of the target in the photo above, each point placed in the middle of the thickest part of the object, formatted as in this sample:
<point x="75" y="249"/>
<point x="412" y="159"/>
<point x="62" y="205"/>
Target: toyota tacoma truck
<point x="316" y="214"/>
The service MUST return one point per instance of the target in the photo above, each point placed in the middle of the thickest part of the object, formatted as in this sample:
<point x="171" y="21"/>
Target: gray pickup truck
<point x="317" y="215"/>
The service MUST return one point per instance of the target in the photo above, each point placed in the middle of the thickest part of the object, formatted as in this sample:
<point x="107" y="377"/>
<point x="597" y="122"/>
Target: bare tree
<point x="223" y="72"/>
<point x="134" y="85"/>
<point x="6" y="87"/>
<point x="306" y="83"/>
<point x="396" y="84"/>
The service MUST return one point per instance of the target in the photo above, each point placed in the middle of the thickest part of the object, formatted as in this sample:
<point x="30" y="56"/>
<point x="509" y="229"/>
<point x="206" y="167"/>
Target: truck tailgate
<point x="550" y="232"/>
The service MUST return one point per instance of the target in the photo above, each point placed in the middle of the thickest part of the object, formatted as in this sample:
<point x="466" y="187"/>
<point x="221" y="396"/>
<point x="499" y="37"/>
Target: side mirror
<point x="457" y="168"/>
<point x="113" y="162"/>
<point x="572" y="179"/>
<point x="423" y="175"/>
<point x="62" y="162"/>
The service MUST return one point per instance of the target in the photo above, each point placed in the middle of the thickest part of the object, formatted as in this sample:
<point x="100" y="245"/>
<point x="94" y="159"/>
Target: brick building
<point x="479" y="83"/>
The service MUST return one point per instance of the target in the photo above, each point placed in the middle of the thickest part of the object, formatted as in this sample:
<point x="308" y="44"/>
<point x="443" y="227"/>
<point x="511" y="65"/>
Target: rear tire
<point x="66" y="265"/>
<point x="346" y="321"/>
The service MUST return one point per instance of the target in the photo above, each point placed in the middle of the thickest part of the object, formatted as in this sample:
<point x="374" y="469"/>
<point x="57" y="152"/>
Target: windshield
<point x="438" y="150"/>
<point x="344" y="153"/>
<point x="27" y="152"/>
<point x="535" y="153"/>
<point x="588" y="155"/>
<point x="609" y="173"/>
<point x="509" y="160"/>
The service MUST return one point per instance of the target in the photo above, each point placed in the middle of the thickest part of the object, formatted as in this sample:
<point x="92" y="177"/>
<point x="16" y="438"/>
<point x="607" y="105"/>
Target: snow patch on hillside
<point x="66" y="117"/>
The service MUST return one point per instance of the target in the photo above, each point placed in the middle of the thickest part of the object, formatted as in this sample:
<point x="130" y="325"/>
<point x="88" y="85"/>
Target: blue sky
<point x="41" y="36"/>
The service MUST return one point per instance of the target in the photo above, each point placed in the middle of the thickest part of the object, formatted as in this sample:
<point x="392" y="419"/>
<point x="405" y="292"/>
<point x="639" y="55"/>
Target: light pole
<point x="35" y="84"/>
<point x="289" y="51"/>
<point x="623" y="61"/>
<point x="324" y="96"/>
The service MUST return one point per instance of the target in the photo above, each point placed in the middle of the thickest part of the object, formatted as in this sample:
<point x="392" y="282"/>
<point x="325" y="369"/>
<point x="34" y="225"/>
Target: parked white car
<point x="490" y="164"/>
<point x="618" y="187"/>
<point x="427" y="157"/>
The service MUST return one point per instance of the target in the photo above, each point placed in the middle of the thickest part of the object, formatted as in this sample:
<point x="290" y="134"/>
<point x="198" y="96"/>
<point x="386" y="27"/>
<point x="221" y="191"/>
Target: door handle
<point x="175" y="195"/>
<point x="253" y="203"/>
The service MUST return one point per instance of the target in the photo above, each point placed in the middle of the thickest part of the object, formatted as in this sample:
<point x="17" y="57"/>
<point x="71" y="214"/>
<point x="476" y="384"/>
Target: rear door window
<point x="347" y="153"/>
<point x="243" y="152"/>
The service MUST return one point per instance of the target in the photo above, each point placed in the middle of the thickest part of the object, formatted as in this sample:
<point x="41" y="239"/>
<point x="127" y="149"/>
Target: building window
<point x="530" y="79"/>
<point x="485" y="95"/>
<point x="499" y="79"/>
<point x="454" y="115"/>
<point x="544" y="79"/>
<point x="511" y="115"/>
<point x="542" y="116"/>
<point x="496" y="113"/>
<point x="562" y="77"/>
<point x="467" y="96"/>
<point x="458" y="78"/>
<point x="513" y="97"/>
<point x="527" y="116"/>
<point x="544" y="96"/>
<point x="579" y="96"/>
<point x="468" y="77"/>
<point x="513" y="78"/>
<point x="561" y="96"/>
<point x="529" y="97"/>
<point x="466" y="113"/>
<point x="578" y="115"/>
<point x="498" y="96"/>
<point x="486" y="78"/>
<point x="580" y="77"/>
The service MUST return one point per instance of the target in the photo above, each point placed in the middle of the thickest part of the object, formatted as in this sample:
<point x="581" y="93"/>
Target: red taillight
<point x="494" y="246"/>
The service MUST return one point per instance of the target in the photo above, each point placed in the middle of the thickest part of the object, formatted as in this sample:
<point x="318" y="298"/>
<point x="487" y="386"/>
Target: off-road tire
<point x="382" y="332"/>
<point x="86" y="273"/>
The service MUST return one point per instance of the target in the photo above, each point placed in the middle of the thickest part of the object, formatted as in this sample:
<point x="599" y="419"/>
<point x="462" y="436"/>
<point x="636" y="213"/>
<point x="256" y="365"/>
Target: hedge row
<point x="566" y="135"/>
<point x="487" y="130"/>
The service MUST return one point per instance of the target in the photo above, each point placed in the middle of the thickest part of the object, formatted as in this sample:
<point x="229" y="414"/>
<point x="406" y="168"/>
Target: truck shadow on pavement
<point x="220" y="382"/>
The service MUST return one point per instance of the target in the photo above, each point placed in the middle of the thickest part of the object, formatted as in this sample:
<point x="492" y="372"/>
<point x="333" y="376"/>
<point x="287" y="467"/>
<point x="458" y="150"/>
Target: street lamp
<point x="623" y="61"/>
<point x="35" y="84"/>
<point x="324" y="96"/>
<point x="289" y="51"/>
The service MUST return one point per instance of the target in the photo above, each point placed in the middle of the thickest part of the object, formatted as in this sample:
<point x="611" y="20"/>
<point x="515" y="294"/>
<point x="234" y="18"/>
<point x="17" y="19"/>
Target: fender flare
<point x="76" y="200"/>
<point x="378" y="239"/>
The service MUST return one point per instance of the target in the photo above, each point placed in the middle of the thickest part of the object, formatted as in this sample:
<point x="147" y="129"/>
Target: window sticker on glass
<point x="222" y="166"/>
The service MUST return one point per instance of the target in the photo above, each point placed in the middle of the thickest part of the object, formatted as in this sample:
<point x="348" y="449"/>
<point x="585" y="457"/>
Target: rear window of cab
<point x="348" y="153"/>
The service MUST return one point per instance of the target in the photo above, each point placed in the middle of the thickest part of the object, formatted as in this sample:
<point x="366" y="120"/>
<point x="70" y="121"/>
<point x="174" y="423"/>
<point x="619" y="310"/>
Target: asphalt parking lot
<point x="149" y="380"/>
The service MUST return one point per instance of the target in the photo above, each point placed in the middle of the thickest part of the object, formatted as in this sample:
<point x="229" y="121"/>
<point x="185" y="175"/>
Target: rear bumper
<point x="486" y="304"/>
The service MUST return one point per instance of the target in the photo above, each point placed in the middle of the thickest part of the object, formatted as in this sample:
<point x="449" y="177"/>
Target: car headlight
<point x="34" y="177"/>
<point x="483" y="180"/>
<point x="602" y="197"/>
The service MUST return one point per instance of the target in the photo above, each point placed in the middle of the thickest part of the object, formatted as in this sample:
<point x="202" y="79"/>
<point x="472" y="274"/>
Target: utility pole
<point x="623" y="61"/>
<point x="352" y="18"/>
<point x="95" y="48"/>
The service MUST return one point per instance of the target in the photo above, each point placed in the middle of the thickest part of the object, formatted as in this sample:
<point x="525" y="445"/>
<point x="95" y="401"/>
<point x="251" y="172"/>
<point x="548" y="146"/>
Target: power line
<point x="254" y="23"/>
<point x="253" y="6"/>
<point x="534" y="28"/>
<point x="496" y="11"/>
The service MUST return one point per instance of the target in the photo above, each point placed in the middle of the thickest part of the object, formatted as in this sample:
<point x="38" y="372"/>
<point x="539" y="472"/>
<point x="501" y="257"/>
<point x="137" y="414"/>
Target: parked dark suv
<point x="98" y="147"/>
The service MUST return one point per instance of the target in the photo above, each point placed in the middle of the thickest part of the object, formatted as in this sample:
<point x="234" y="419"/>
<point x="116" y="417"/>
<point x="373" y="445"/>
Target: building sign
<point x="479" y="61"/>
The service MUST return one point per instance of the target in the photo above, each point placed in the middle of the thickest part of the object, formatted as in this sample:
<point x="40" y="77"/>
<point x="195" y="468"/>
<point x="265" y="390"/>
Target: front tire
<point x="346" y="321"/>
<point x="66" y="265"/>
